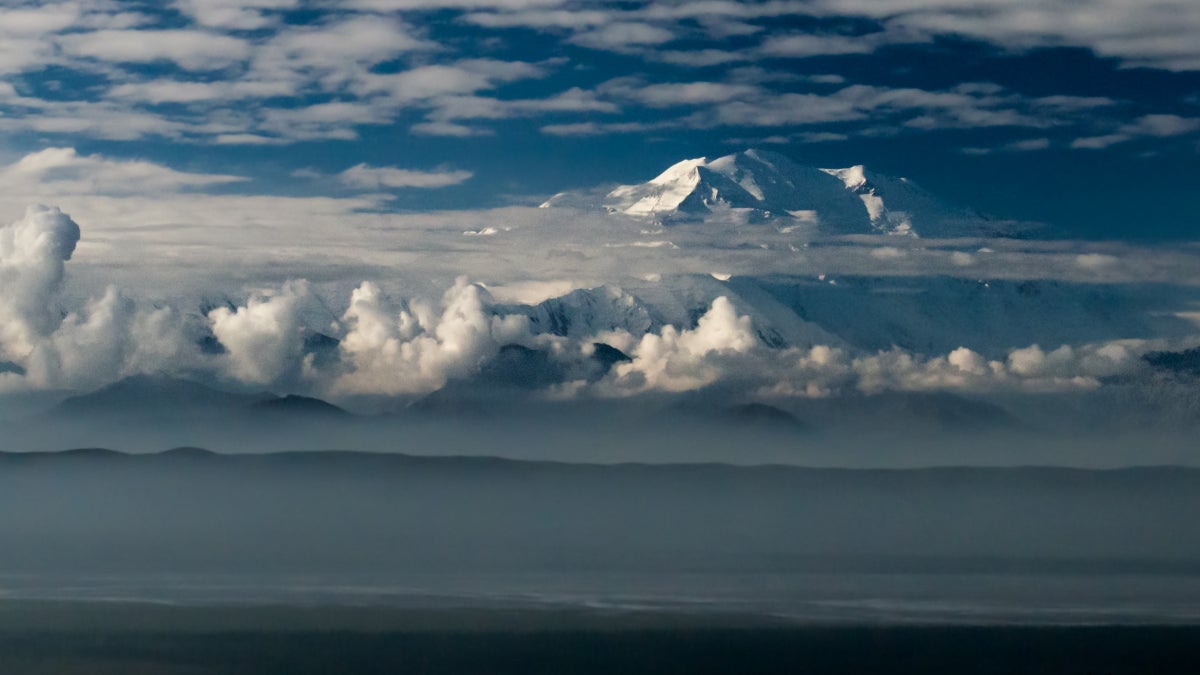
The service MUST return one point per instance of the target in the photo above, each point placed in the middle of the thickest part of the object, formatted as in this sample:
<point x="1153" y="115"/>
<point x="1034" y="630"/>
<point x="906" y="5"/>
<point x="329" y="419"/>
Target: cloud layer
<point x="255" y="73"/>
<point x="382" y="345"/>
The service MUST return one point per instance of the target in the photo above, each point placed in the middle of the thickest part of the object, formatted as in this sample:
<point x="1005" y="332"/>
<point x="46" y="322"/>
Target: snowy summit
<point x="760" y="186"/>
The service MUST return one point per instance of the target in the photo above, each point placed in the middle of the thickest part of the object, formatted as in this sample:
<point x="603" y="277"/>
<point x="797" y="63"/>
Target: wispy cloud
<point x="374" y="178"/>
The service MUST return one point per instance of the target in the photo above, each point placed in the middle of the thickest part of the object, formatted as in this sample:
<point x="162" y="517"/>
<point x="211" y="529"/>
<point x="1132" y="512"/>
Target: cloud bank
<point x="106" y="339"/>
<point x="382" y="345"/>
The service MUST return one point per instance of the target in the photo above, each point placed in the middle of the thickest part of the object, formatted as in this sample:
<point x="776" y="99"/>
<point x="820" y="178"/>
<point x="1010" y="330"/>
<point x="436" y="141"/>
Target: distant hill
<point x="299" y="404"/>
<point x="166" y="397"/>
<point x="347" y="512"/>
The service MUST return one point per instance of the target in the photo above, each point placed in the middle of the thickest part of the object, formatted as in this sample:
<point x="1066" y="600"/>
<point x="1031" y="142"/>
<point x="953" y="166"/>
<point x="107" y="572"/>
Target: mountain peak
<point x="683" y="170"/>
<point x="853" y="177"/>
<point x="764" y="187"/>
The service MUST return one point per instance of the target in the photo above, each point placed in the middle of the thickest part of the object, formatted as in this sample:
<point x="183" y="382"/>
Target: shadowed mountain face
<point x="300" y="405"/>
<point x="158" y="395"/>
<point x="1185" y="362"/>
<point x="498" y="412"/>
<point x="193" y="511"/>
<point x="764" y="416"/>
<point x="149" y="396"/>
<point x="496" y="393"/>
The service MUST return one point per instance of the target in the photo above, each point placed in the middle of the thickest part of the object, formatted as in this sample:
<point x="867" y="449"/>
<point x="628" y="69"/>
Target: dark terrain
<point x="191" y="562"/>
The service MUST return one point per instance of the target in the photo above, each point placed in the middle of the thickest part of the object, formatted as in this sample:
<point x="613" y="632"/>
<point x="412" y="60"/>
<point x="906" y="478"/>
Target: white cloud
<point x="1028" y="145"/>
<point x="623" y="36"/>
<point x="825" y="371"/>
<point x="691" y="93"/>
<point x="1152" y="126"/>
<point x="447" y="129"/>
<point x="418" y="5"/>
<point x="802" y="45"/>
<point x="1162" y="126"/>
<point x="597" y="128"/>
<point x="414" y="348"/>
<point x="479" y="107"/>
<point x="234" y="14"/>
<point x="365" y="62"/>
<point x="962" y="259"/>
<point x="540" y="18"/>
<point x="699" y="58"/>
<point x="374" y="178"/>
<point x="426" y="82"/>
<point x="734" y="104"/>
<point x="262" y="338"/>
<point x="333" y="120"/>
<point x="177" y="91"/>
<point x="24" y="31"/>
<point x="1096" y="261"/>
<point x="189" y="49"/>
<point x="93" y="119"/>
<point x="331" y="55"/>
<point x="1099" y="142"/>
<point x="108" y="339"/>
<point x="1157" y="33"/>
<point x="33" y="251"/>
<point x="64" y="171"/>
<point x="36" y="20"/>
<point x="683" y="360"/>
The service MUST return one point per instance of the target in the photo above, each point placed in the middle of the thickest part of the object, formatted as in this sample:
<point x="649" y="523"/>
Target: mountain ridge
<point x="145" y="395"/>
<point x="757" y="186"/>
<point x="400" y="458"/>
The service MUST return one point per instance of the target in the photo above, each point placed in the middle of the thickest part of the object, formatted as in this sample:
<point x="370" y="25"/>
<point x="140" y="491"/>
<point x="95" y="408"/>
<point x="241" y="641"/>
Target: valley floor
<point x="465" y="642"/>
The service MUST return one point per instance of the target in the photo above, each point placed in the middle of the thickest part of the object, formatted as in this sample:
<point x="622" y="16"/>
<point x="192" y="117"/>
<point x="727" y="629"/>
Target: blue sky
<point x="1085" y="115"/>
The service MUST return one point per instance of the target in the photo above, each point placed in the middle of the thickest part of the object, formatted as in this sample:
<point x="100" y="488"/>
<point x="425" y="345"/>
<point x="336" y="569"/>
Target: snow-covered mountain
<point x="928" y="314"/>
<point x="759" y="186"/>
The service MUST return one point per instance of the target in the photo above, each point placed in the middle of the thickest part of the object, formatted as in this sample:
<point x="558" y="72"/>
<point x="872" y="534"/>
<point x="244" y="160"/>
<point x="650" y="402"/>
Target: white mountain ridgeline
<point x="926" y="314"/>
<point x="929" y="315"/>
<point x="756" y="186"/>
<point x="923" y="314"/>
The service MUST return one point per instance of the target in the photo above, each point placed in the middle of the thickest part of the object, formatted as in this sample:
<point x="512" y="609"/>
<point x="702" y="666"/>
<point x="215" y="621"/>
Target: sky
<point x="204" y="188"/>
<point x="1083" y="115"/>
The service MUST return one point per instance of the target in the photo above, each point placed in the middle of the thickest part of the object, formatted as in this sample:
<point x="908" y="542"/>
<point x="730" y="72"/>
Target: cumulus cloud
<point x="828" y="371"/>
<point x="111" y="338"/>
<point x="682" y="360"/>
<point x="409" y="348"/>
<point x="33" y="252"/>
<point x="105" y="340"/>
<point x="262" y="338"/>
